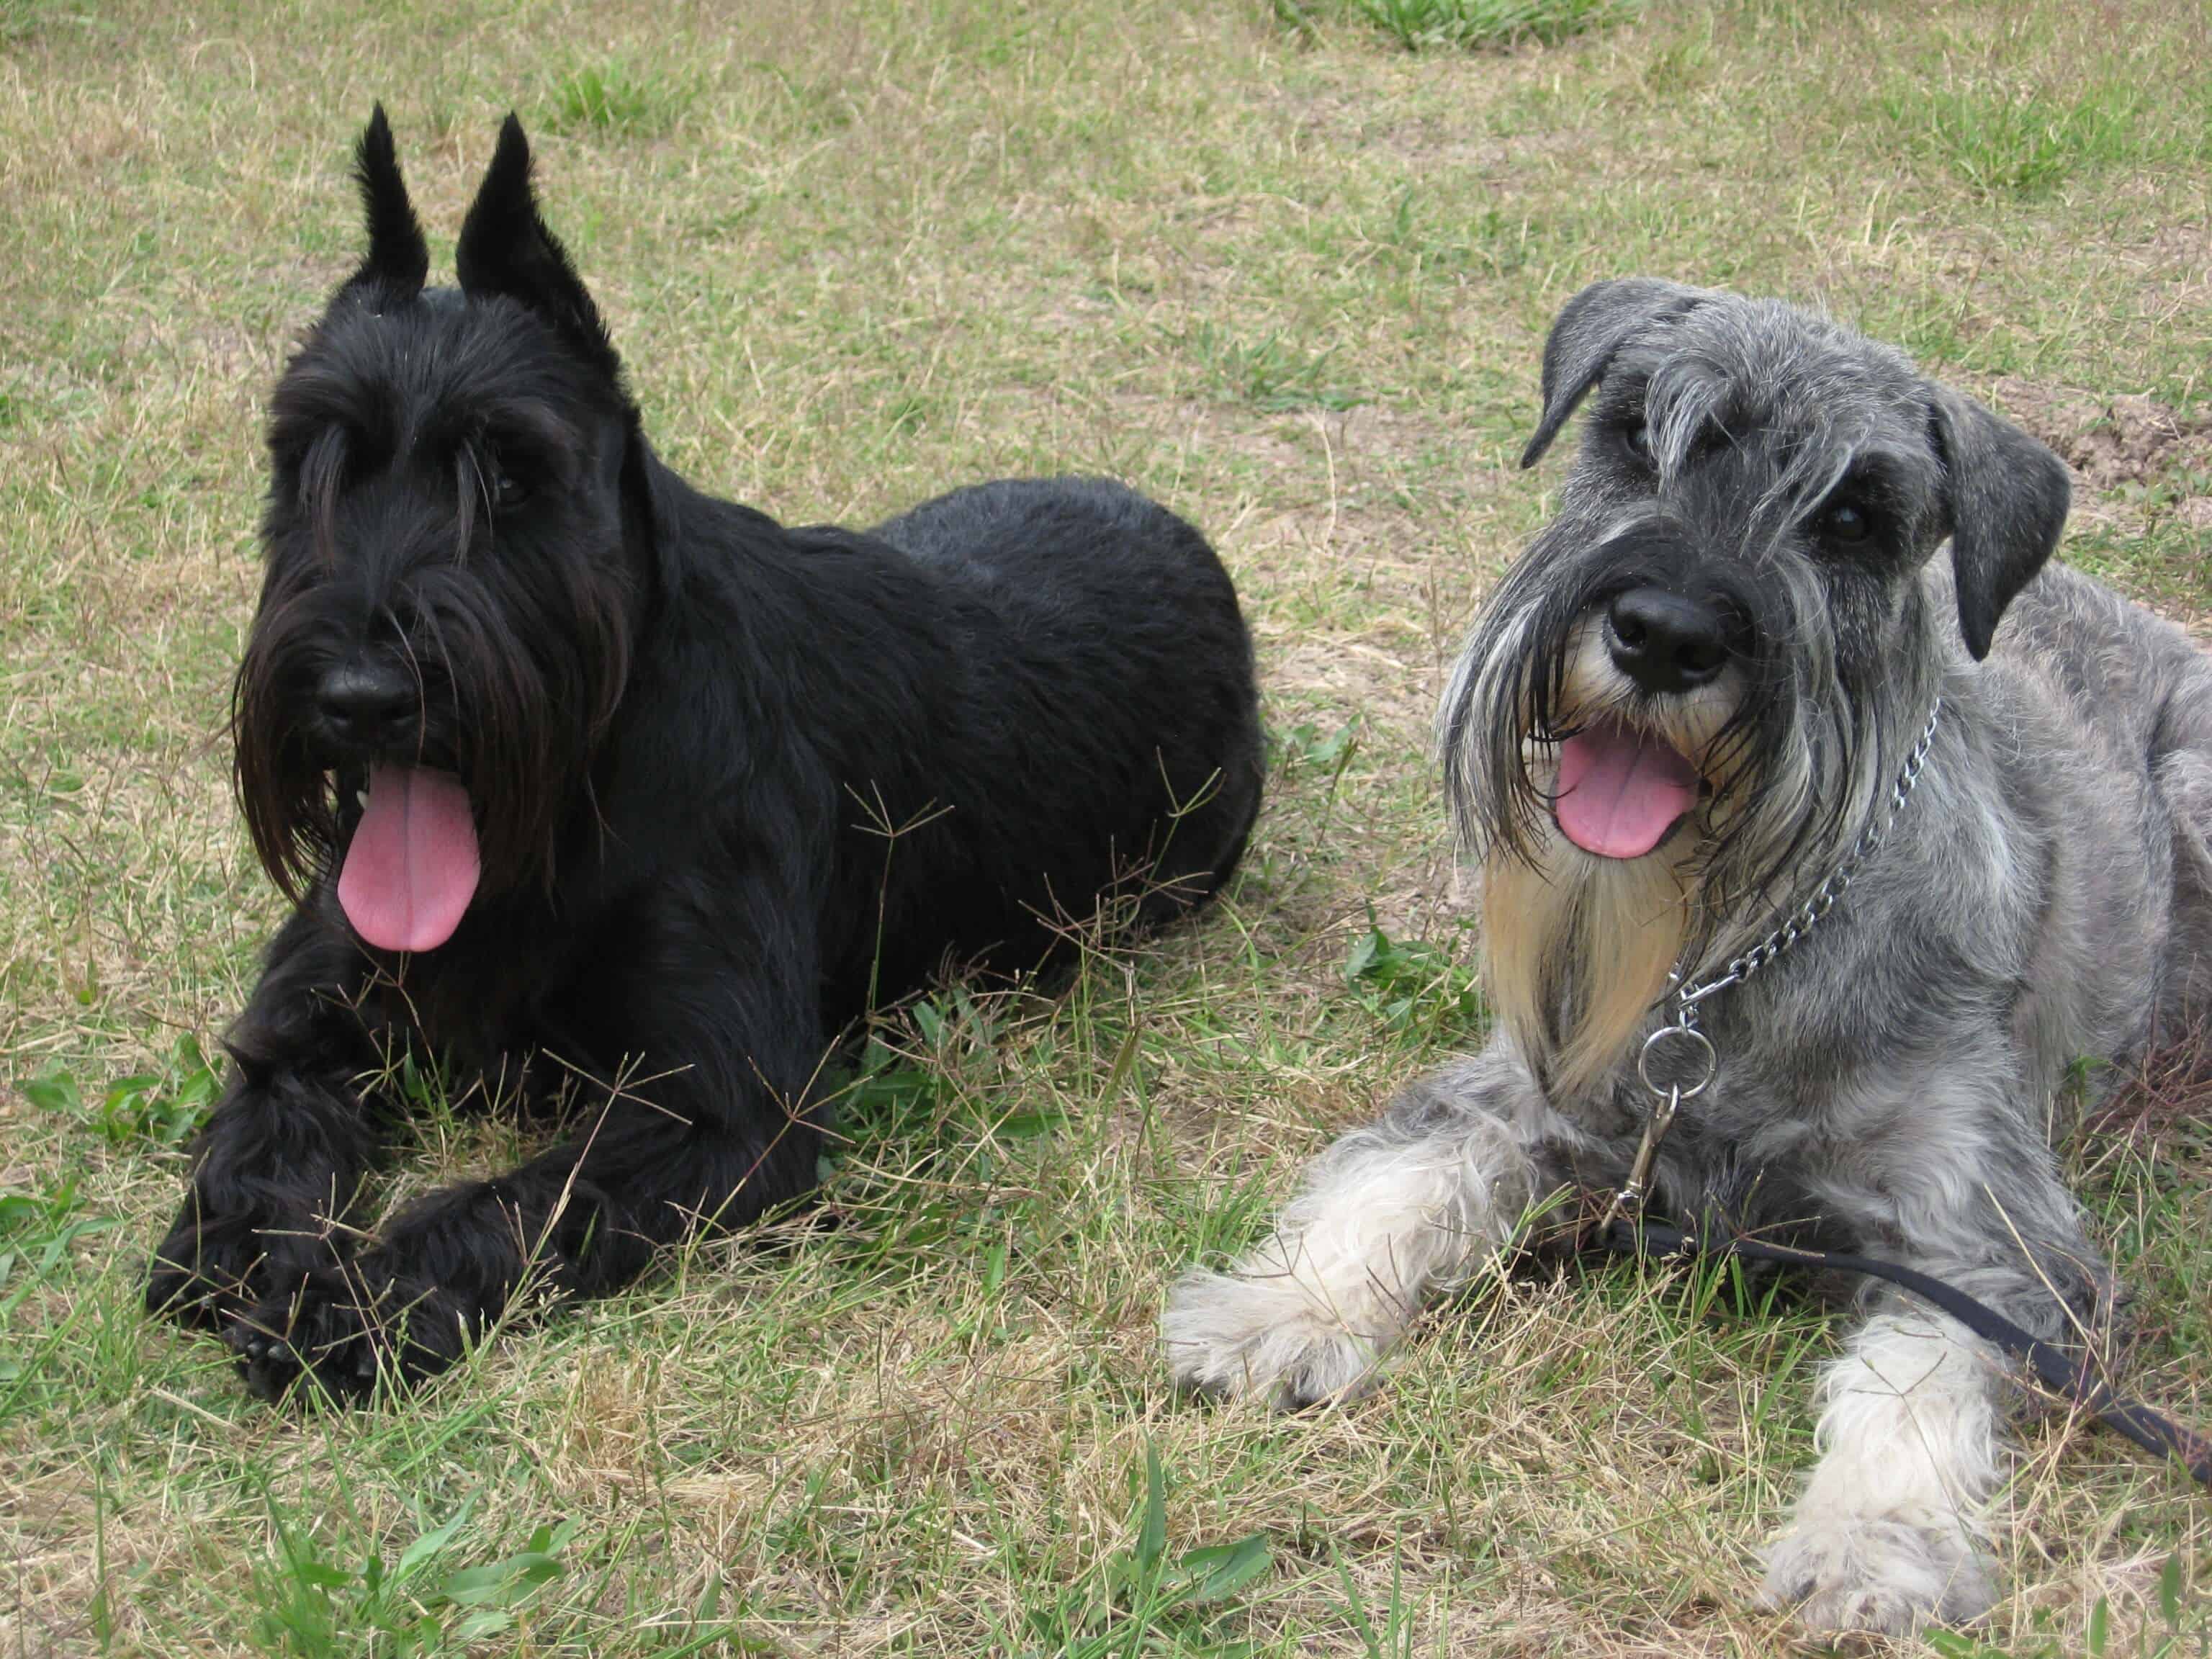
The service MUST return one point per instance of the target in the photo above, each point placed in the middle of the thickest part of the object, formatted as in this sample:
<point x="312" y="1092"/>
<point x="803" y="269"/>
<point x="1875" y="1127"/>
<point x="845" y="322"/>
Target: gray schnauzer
<point x="1727" y="682"/>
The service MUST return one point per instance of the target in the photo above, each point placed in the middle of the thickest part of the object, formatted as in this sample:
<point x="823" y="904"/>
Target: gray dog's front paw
<point x="1227" y="1334"/>
<point x="1858" y="1573"/>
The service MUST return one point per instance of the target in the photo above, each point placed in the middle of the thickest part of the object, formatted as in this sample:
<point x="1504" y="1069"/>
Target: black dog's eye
<point x="507" y="490"/>
<point x="1846" y="523"/>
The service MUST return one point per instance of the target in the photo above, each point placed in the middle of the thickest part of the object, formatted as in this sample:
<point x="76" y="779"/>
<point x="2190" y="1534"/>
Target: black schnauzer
<point x="556" y="755"/>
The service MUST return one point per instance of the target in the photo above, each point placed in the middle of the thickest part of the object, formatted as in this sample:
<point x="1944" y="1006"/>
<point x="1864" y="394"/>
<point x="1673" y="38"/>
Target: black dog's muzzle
<point x="365" y="707"/>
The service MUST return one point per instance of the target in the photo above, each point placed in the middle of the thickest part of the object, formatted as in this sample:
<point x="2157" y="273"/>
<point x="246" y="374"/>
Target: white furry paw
<point x="1880" y="1572"/>
<point x="1225" y="1334"/>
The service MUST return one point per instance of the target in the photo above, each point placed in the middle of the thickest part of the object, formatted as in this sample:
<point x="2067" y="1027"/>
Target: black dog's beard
<point x="515" y="691"/>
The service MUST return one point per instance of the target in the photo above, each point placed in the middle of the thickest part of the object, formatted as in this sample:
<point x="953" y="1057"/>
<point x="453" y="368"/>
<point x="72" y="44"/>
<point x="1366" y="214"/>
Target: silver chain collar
<point x="1695" y="1049"/>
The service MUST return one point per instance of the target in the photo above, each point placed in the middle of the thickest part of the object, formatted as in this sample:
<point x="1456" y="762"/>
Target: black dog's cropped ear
<point x="398" y="259"/>
<point x="2006" y="497"/>
<point x="505" y="248"/>
<point x="1589" y="330"/>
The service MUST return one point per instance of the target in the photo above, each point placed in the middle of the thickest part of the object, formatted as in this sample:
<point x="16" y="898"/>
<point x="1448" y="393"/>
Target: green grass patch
<point x="1465" y="25"/>
<point x="1418" y="990"/>
<point x="1272" y="372"/>
<point x="2026" y="144"/>
<point x="164" y="1107"/>
<point x="616" y="99"/>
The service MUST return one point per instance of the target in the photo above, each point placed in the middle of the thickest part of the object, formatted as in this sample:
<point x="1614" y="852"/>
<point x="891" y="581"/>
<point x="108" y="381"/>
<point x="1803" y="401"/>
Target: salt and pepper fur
<point x="1892" y="1085"/>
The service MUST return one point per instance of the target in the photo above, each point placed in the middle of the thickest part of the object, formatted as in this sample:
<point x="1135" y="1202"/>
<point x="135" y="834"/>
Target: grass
<point x="2027" y="142"/>
<point x="1293" y="280"/>
<point x="612" y="98"/>
<point x="1419" y="25"/>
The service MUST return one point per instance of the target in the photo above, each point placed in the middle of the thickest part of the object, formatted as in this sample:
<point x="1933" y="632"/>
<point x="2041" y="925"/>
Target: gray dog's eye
<point x="1844" y="523"/>
<point x="1638" y="439"/>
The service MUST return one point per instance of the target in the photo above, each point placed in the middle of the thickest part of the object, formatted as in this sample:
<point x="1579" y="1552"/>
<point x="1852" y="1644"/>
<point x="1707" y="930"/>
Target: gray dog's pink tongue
<point x="411" y="868"/>
<point x="1621" y="790"/>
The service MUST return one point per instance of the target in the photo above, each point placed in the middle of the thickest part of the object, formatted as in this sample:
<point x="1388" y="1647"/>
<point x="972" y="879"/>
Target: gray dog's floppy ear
<point x="398" y="259"/>
<point x="1589" y="330"/>
<point x="505" y="248"/>
<point x="2007" y="496"/>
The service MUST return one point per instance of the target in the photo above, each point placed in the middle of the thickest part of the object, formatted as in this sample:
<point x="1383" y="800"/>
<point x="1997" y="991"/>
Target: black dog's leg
<point x="712" y="1130"/>
<point x="276" y="1170"/>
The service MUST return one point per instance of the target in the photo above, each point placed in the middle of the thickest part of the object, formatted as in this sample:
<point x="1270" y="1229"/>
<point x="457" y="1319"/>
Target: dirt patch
<point x="2113" y="442"/>
<point x="1385" y="430"/>
<point x="1204" y="424"/>
<point x="1382" y="686"/>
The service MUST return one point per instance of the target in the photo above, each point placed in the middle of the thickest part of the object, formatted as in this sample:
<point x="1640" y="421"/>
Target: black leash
<point x="2156" y="1433"/>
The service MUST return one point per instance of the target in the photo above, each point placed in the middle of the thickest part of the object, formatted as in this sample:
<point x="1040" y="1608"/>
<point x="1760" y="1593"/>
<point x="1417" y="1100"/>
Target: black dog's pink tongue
<point x="1621" y="790"/>
<point x="411" y="868"/>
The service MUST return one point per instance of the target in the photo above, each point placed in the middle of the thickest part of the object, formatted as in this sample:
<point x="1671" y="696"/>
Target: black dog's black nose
<point x="1665" y="642"/>
<point x="367" y="705"/>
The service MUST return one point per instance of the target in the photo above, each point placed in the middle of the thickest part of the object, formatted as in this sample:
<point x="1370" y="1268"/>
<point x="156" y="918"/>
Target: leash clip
<point x="1695" y="1054"/>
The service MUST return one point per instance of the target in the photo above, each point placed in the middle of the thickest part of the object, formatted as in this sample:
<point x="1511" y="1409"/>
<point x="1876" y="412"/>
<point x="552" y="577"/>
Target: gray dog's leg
<point x="1888" y="1530"/>
<point x="1390" y="1215"/>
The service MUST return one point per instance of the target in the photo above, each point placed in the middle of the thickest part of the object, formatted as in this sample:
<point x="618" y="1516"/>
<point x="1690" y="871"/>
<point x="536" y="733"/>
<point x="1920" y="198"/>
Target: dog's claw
<point x="347" y="1339"/>
<point x="1878" y="1573"/>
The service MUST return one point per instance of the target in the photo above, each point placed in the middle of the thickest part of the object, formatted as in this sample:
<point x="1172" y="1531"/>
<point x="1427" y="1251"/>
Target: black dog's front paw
<point x="348" y="1330"/>
<point x="196" y="1277"/>
<point x="211" y="1269"/>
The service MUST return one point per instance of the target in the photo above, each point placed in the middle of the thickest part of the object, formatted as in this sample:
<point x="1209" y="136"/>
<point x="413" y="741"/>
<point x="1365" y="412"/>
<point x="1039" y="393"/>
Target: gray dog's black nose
<point x="1665" y="642"/>
<point x="367" y="705"/>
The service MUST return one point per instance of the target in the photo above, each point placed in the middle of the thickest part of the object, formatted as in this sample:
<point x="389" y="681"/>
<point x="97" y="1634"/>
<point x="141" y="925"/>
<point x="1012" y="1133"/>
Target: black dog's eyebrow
<point x="515" y="426"/>
<point x="322" y="475"/>
<point x="312" y="401"/>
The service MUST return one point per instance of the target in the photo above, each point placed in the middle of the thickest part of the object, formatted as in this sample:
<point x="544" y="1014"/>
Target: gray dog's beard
<point x="1576" y="951"/>
<point x="1577" y="945"/>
